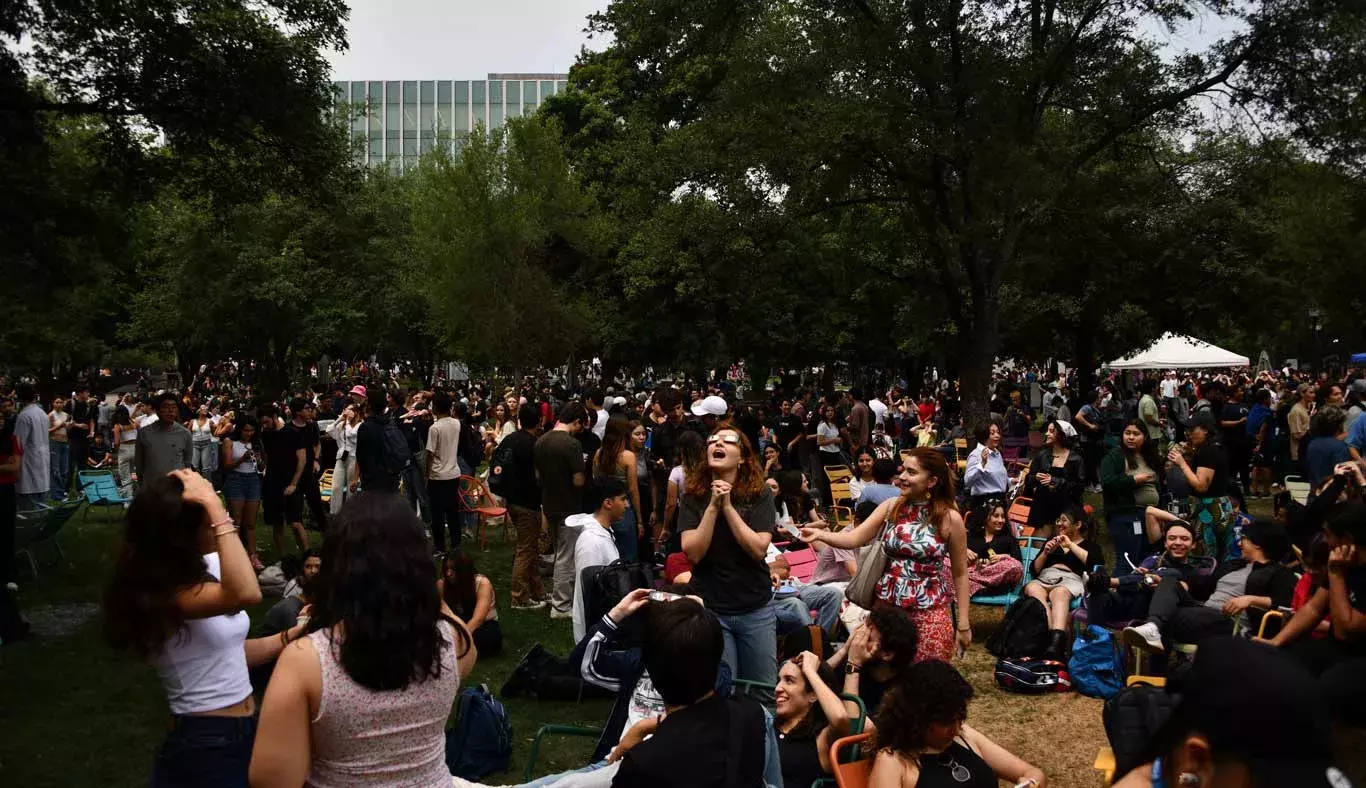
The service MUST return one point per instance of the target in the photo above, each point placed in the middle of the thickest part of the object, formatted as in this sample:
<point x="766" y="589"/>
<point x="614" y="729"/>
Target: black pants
<point x="488" y="639"/>
<point x="308" y="485"/>
<point x="79" y="441"/>
<point x="1127" y="603"/>
<point x="1181" y="617"/>
<point x="443" y="495"/>
<point x="1091" y="452"/>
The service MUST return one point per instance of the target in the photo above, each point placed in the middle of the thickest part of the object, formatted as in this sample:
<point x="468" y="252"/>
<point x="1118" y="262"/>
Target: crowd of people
<point x="356" y="677"/>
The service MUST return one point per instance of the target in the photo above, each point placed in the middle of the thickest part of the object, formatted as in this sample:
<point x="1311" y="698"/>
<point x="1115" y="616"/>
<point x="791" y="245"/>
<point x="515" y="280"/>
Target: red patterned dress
<point x="916" y="579"/>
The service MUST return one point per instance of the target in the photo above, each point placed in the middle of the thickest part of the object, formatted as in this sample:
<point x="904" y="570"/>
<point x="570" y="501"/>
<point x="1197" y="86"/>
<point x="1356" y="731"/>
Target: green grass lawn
<point x="73" y="713"/>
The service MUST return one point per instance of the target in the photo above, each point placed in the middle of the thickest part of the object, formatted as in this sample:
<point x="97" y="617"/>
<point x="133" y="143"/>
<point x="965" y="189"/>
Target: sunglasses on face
<point x="733" y="440"/>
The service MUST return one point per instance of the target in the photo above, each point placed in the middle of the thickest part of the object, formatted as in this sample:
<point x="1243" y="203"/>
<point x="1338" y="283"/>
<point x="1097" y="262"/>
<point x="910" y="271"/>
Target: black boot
<point x="1055" y="645"/>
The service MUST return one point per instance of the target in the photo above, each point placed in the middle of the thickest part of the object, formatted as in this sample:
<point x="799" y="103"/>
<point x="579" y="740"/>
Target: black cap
<point x="1257" y="705"/>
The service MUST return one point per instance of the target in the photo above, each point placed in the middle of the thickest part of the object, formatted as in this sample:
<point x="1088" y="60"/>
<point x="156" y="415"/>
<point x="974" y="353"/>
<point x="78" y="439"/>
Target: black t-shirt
<point x="788" y="427"/>
<point x="306" y="437"/>
<point x="1356" y="588"/>
<point x="1003" y="544"/>
<point x="83" y="413"/>
<point x="727" y="578"/>
<point x="749" y="425"/>
<point x="689" y="749"/>
<point x="280" y="447"/>
<point x="1234" y="436"/>
<point x="523" y="491"/>
<point x="1212" y="456"/>
<point x="1094" y="558"/>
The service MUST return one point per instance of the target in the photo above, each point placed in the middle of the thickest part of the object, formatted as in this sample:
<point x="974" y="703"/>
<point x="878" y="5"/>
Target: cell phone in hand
<point x="663" y="596"/>
<point x="792" y="529"/>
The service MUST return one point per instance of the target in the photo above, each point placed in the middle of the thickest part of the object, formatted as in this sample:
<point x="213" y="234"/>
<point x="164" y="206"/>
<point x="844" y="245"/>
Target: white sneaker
<point x="539" y="604"/>
<point x="557" y="614"/>
<point x="1145" y="636"/>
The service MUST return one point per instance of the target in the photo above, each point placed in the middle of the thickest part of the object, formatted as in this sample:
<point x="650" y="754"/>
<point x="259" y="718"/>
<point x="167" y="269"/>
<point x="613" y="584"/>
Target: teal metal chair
<point x="1007" y="599"/>
<point x="39" y="526"/>
<point x="100" y="489"/>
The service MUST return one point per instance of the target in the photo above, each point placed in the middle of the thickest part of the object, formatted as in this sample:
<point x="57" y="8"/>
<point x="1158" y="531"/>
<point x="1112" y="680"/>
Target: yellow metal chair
<point x="838" y="473"/>
<point x="325" y="486"/>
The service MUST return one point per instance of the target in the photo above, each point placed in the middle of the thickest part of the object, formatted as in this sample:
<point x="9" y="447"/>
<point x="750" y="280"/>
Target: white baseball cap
<point x="710" y="406"/>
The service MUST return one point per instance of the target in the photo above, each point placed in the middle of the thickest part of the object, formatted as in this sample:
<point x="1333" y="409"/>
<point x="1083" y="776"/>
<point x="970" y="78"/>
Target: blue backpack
<point x="1097" y="664"/>
<point x="480" y="744"/>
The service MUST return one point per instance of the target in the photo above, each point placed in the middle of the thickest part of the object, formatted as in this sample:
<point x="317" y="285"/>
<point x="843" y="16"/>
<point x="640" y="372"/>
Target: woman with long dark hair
<point x="863" y="472"/>
<point x="919" y="530"/>
<point x="1130" y="477"/>
<point x="923" y="738"/>
<point x="470" y="596"/>
<point x="808" y="718"/>
<point x="726" y="520"/>
<point x="176" y="599"/>
<point x="243" y="463"/>
<point x="363" y="699"/>
<point x="993" y="551"/>
<point x="615" y="460"/>
<point x="1207" y="473"/>
<point x="1058" y="571"/>
<point x="1056" y="477"/>
<point x="690" y="446"/>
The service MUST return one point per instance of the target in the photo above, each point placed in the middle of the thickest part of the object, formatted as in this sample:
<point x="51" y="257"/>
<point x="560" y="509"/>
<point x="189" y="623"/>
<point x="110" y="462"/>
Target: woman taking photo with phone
<point x="176" y="599"/>
<point x="918" y="531"/>
<point x="243" y="463"/>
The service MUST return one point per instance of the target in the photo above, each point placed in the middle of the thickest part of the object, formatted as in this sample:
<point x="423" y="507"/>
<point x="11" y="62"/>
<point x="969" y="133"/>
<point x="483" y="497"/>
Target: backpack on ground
<point x="397" y="455"/>
<point x="502" y="470"/>
<point x="1132" y="719"/>
<point x="541" y="675"/>
<point x="480" y="744"/>
<point x="1097" y="664"/>
<point x="1024" y="630"/>
<point x="1030" y="676"/>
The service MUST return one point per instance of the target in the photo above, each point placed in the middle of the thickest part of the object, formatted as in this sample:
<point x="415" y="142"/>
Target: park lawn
<point x="74" y="713"/>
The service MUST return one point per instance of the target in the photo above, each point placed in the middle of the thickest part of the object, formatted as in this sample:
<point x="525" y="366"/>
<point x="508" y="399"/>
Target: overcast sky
<point x="461" y="39"/>
<point x="467" y="39"/>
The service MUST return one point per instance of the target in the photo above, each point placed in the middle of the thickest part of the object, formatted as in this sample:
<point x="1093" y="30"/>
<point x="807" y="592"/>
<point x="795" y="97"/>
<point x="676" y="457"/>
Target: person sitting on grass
<point x="1243" y="588"/>
<point x="364" y="698"/>
<point x="99" y="453"/>
<point x="923" y="738"/>
<point x="595" y="544"/>
<point x="176" y="598"/>
<point x="876" y="654"/>
<point x="470" y="596"/>
<point x="809" y="718"/>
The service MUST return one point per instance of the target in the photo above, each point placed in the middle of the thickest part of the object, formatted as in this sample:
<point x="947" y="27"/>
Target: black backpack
<point x="605" y="586"/>
<point x="1024" y="630"/>
<point x="1132" y="719"/>
<point x="471" y="448"/>
<point x="480" y="744"/>
<point x="1030" y="676"/>
<point x="397" y="455"/>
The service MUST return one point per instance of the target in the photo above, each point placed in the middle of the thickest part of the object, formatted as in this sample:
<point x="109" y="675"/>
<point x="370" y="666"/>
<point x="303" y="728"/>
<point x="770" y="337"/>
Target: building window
<point x="547" y="90"/>
<point x="376" y="93"/>
<point x="561" y="86"/>
<point x="477" y="88"/>
<point x="479" y="118"/>
<point x="495" y="91"/>
<point x="391" y="118"/>
<point x="391" y="93"/>
<point x="514" y="99"/>
<point x="462" y="117"/>
<point x="376" y="147"/>
<point x="410" y="92"/>
<point x="462" y="92"/>
<point x="496" y="119"/>
<point x="529" y="98"/>
<point x="428" y="92"/>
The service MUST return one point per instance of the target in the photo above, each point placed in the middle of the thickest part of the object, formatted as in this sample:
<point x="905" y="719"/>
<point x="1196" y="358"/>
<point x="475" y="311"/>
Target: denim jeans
<point x="60" y="454"/>
<point x="751" y="647"/>
<point x="826" y="601"/>
<point x="624" y="534"/>
<point x="125" y="465"/>
<point x="204" y="457"/>
<point x="205" y="752"/>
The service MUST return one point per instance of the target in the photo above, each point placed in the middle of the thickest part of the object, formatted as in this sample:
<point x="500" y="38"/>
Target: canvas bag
<point x="872" y="563"/>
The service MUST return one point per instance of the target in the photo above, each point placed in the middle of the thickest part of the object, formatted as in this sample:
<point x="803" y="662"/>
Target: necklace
<point x="957" y="771"/>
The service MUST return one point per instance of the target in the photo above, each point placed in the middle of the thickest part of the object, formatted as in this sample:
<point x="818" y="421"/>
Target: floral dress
<point x="916" y="580"/>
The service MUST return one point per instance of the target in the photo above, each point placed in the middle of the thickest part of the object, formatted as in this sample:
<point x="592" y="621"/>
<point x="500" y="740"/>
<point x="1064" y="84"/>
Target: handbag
<point x="872" y="563"/>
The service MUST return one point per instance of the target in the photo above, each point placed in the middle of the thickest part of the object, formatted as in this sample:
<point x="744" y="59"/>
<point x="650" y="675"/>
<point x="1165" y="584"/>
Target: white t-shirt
<point x="828" y="430"/>
<point x="646" y="702"/>
<point x="150" y="418"/>
<point x="879" y="409"/>
<point x="1168" y="387"/>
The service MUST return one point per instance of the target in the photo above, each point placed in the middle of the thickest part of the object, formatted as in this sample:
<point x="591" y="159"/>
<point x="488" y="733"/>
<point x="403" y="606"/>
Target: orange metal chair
<point x="855" y="773"/>
<point x="1018" y="515"/>
<point x="475" y="497"/>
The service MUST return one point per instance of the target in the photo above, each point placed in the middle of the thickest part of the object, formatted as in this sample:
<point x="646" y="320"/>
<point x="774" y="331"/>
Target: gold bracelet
<point x="220" y="523"/>
<point x="224" y="530"/>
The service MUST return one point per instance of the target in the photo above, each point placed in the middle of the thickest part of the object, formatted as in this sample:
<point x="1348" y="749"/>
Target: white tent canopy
<point x="1175" y="351"/>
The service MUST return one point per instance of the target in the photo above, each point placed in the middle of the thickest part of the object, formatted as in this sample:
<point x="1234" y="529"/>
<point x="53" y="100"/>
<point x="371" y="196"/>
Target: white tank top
<point x="238" y="449"/>
<point x="201" y="433"/>
<point x="204" y="666"/>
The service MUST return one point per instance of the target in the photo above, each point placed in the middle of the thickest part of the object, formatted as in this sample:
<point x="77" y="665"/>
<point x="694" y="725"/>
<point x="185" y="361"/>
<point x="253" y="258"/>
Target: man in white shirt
<point x="443" y="473"/>
<point x="879" y="409"/>
<point x="594" y="545"/>
<point x="31" y="428"/>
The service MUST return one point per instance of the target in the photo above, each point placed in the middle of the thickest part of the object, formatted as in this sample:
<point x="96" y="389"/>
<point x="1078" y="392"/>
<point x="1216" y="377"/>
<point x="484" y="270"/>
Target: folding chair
<point x="556" y="730"/>
<point x="325" y="486"/>
<point x="840" y="494"/>
<point x="838" y="473"/>
<point x="1298" y="488"/>
<point x="802" y="562"/>
<point x="474" y="497"/>
<point x="852" y="773"/>
<point x="100" y="488"/>
<point x="34" y="527"/>
<point x="1027" y="554"/>
<point x="1018" y="515"/>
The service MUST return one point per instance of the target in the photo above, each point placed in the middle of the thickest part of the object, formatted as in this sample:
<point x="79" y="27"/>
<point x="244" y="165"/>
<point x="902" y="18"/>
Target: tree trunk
<point x="1086" y="363"/>
<point x="977" y="356"/>
<point x="827" y="385"/>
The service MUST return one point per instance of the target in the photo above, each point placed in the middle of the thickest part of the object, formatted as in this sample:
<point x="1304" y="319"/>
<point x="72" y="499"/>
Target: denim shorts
<point x="238" y="486"/>
<point x="206" y="752"/>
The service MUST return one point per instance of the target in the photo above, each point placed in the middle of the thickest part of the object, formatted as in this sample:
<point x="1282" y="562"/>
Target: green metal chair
<point x="37" y="526"/>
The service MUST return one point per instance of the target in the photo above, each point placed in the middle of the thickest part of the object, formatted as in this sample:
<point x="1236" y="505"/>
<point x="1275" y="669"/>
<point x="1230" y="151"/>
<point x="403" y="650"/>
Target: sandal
<point x="256" y="563"/>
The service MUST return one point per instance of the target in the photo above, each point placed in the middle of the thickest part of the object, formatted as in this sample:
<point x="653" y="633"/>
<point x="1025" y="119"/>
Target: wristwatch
<point x="851" y="669"/>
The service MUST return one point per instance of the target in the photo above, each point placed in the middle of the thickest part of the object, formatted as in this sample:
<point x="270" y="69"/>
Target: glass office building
<point x="402" y="120"/>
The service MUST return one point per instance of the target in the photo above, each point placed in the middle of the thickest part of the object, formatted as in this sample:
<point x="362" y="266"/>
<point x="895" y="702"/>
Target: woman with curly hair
<point x="177" y="598"/>
<point x="726" y="520"/>
<point x="919" y="530"/>
<point x="363" y="699"/>
<point x="923" y="739"/>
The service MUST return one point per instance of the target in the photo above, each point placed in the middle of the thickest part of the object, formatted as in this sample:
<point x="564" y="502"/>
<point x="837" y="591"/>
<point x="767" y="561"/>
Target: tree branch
<point x="1167" y="102"/>
<point x="74" y="108"/>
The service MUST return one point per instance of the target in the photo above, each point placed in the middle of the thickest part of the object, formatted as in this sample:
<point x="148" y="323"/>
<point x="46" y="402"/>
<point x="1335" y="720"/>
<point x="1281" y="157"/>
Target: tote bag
<point x="872" y="563"/>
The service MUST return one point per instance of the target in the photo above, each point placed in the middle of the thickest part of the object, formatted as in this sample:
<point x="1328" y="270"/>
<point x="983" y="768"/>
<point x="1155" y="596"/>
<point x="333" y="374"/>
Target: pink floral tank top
<point x="914" y="577"/>
<point x="362" y="737"/>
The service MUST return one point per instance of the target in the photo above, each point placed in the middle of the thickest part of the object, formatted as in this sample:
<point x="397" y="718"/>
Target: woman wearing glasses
<point x="726" y="519"/>
<point x="923" y="738"/>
